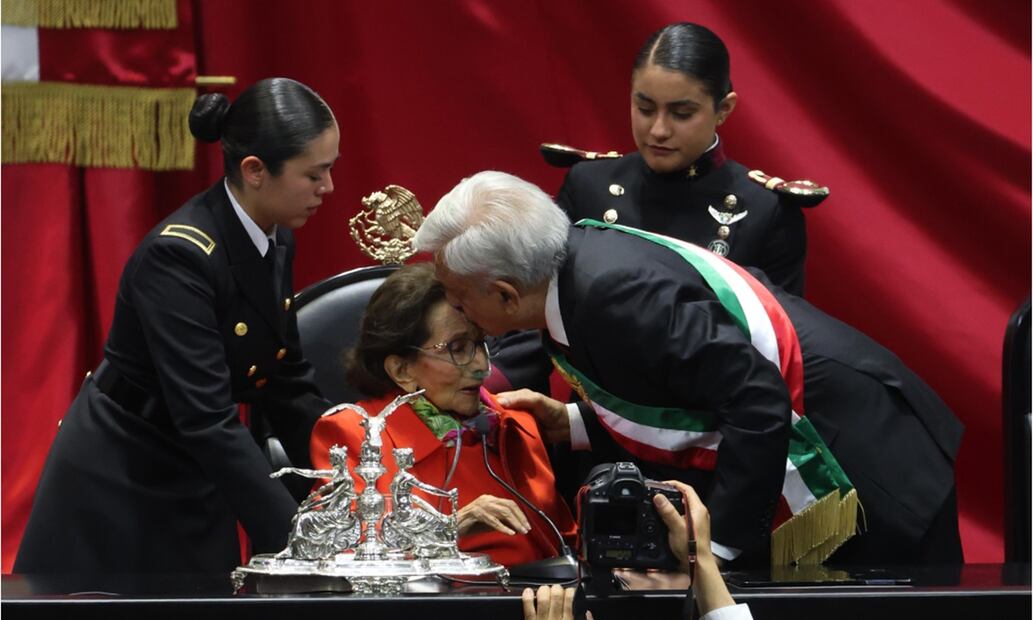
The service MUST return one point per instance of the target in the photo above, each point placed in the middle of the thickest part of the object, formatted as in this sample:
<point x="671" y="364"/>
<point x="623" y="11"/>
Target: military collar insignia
<point x="726" y="218"/>
<point x="707" y="162"/>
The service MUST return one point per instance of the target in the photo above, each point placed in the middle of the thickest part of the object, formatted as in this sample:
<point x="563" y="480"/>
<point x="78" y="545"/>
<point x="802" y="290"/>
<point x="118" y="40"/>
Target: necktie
<point x="275" y="257"/>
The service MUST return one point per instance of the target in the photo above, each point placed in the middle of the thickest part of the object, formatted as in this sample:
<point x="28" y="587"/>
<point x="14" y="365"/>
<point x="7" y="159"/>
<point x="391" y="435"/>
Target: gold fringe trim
<point x="151" y="14"/>
<point x="811" y="536"/>
<point x="98" y="126"/>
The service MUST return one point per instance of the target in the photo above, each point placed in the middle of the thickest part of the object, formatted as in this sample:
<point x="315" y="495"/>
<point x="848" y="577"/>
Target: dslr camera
<point x="619" y="525"/>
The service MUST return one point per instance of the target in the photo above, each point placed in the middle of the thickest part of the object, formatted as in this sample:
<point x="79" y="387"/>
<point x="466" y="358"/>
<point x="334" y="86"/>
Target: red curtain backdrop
<point x="916" y="114"/>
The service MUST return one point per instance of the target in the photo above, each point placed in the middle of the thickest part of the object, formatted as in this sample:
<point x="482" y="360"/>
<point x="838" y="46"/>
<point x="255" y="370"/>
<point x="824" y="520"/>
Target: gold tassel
<point x="846" y="527"/>
<point x="811" y="536"/>
<point x="98" y="126"/>
<point x="151" y="14"/>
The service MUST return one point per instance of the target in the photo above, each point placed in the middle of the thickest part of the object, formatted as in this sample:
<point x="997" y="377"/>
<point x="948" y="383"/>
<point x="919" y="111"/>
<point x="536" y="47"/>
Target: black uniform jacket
<point x="200" y="324"/>
<point x="643" y="325"/>
<point x="769" y="236"/>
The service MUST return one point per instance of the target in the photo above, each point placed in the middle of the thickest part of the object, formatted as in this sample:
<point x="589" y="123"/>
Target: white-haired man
<point x="696" y="369"/>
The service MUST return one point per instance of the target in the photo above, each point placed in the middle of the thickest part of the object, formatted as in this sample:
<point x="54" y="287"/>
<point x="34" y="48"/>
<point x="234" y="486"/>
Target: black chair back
<point x="329" y="315"/>
<point x="1016" y="397"/>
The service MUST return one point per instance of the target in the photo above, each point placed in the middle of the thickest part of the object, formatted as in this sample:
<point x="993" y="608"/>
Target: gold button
<point x="722" y="232"/>
<point x="261" y="383"/>
<point x="731" y="201"/>
<point x="616" y="190"/>
<point x="240" y="329"/>
<point x="610" y="216"/>
<point x="59" y="422"/>
<point x="282" y="353"/>
<point x="251" y="371"/>
<point x="88" y="373"/>
<point x="287" y="303"/>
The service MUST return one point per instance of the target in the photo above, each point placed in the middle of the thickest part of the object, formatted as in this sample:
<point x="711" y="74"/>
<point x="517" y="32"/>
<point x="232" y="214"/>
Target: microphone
<point x="561" y="568"/>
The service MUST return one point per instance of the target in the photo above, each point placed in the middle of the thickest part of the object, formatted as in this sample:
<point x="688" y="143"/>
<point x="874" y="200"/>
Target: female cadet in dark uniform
<point x="152" y="468"/>
<point x="680" y="183"/>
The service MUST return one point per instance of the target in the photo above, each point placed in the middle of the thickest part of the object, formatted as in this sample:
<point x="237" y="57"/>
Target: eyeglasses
<point x="462" y="351"/>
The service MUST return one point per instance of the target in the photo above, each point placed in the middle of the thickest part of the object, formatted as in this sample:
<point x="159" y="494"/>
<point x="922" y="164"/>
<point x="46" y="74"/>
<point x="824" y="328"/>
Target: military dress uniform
<point x="152" y="468"/>
<point x="746" y="216"/>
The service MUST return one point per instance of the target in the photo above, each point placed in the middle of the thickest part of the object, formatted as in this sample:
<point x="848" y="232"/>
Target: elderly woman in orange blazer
<point x="412" y="339"/>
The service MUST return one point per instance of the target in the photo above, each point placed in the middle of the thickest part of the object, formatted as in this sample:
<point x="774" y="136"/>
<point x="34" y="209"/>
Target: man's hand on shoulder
<point x="550" y="413"/>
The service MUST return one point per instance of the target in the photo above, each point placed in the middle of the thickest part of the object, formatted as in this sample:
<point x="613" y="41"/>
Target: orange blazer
<point x="520" y="460"/>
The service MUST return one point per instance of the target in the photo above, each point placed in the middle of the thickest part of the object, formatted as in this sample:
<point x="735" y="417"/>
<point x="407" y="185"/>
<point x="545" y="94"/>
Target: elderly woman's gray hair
<point x="498" y="226"/>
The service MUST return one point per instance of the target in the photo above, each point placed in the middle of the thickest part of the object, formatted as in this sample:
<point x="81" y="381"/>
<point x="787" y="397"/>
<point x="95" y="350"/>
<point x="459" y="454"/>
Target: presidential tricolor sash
<point x="818" y="508"/>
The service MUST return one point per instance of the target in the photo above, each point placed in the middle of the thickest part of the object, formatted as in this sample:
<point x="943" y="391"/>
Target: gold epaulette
<point x="563" y="156"/>
<point x="801" y="193"/>
<point x="194" y="235"/>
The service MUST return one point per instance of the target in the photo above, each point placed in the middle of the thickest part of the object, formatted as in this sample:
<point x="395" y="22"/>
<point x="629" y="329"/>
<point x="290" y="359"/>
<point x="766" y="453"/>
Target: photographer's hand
<point x="709" y="586"/>
<point x="550" y="413"/>
<point x="553" y="603"/>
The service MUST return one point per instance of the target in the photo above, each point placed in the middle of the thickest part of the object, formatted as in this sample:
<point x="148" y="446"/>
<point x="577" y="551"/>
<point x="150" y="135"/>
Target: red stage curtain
<point x="915" y="113"/>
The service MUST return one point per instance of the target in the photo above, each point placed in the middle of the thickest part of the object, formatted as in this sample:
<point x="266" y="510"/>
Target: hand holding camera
<point x="620" y="526"/>
<point x="707" y="583"/>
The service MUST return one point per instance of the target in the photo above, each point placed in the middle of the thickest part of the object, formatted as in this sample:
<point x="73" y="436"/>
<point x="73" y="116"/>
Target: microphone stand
<point x="562" y="568"/>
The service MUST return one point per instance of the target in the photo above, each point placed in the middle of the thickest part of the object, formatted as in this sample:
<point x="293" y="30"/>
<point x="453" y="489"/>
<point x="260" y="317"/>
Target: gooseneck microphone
<point x="561" y="568"/>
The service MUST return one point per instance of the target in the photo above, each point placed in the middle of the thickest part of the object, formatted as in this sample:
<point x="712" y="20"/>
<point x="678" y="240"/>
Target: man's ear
<point x="397" y="367"/>
<point x="252" y="171"/>
<point x="509" y="295"/>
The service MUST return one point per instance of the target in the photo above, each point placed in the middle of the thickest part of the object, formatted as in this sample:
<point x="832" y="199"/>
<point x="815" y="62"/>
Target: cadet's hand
<point x="490" y="512"/>
<point x="550" y="413"/>
<point x="554" y="603"/>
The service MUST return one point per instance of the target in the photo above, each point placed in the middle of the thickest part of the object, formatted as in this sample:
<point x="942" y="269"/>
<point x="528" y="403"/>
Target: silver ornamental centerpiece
<point x="343" y="536"/>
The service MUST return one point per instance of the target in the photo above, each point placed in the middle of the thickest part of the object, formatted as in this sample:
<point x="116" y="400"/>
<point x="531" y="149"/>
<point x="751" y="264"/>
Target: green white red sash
<point x="819" y="505"/>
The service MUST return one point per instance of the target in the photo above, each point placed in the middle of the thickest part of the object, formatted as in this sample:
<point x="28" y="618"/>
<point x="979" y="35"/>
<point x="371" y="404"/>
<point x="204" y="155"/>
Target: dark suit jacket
<point x="643" y="325"/>
<point x="892" y="434"/>
<point x="198" y="325"/>
<point x="646" y="328"/>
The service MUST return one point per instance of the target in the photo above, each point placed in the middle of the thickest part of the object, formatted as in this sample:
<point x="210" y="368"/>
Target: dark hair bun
<point x="207" y="115"/>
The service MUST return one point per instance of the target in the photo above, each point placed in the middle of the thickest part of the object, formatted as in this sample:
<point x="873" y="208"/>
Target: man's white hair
<point x="498" y="226"/>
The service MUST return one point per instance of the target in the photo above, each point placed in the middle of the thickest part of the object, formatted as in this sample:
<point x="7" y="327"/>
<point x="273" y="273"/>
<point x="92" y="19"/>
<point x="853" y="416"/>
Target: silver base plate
<point x="343" y="572"/>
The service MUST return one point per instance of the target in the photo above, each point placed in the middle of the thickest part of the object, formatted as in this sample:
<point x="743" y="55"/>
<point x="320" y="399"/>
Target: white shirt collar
<point x="553" y="319"/>
<point x="258" y="236"/>
<point x="713" y="144"/>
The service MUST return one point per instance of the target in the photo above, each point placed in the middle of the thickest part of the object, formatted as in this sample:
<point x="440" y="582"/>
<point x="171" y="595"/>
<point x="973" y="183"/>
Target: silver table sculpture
<point x="341" y="535"/>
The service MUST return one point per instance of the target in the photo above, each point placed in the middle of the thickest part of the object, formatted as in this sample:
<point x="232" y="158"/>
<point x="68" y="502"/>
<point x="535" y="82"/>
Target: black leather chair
<point x="329" y="314"/>
<point x="1016" y="397"/>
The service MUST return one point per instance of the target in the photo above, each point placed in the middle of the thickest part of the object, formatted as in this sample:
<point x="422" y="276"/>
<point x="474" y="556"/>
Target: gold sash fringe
<point x="98" y="126"/>
<point x="811" y="536"/>
<point x="152" y="14"/>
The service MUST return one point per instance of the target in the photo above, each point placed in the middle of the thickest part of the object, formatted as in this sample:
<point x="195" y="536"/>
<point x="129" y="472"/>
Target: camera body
<point x="619" y="526"/>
